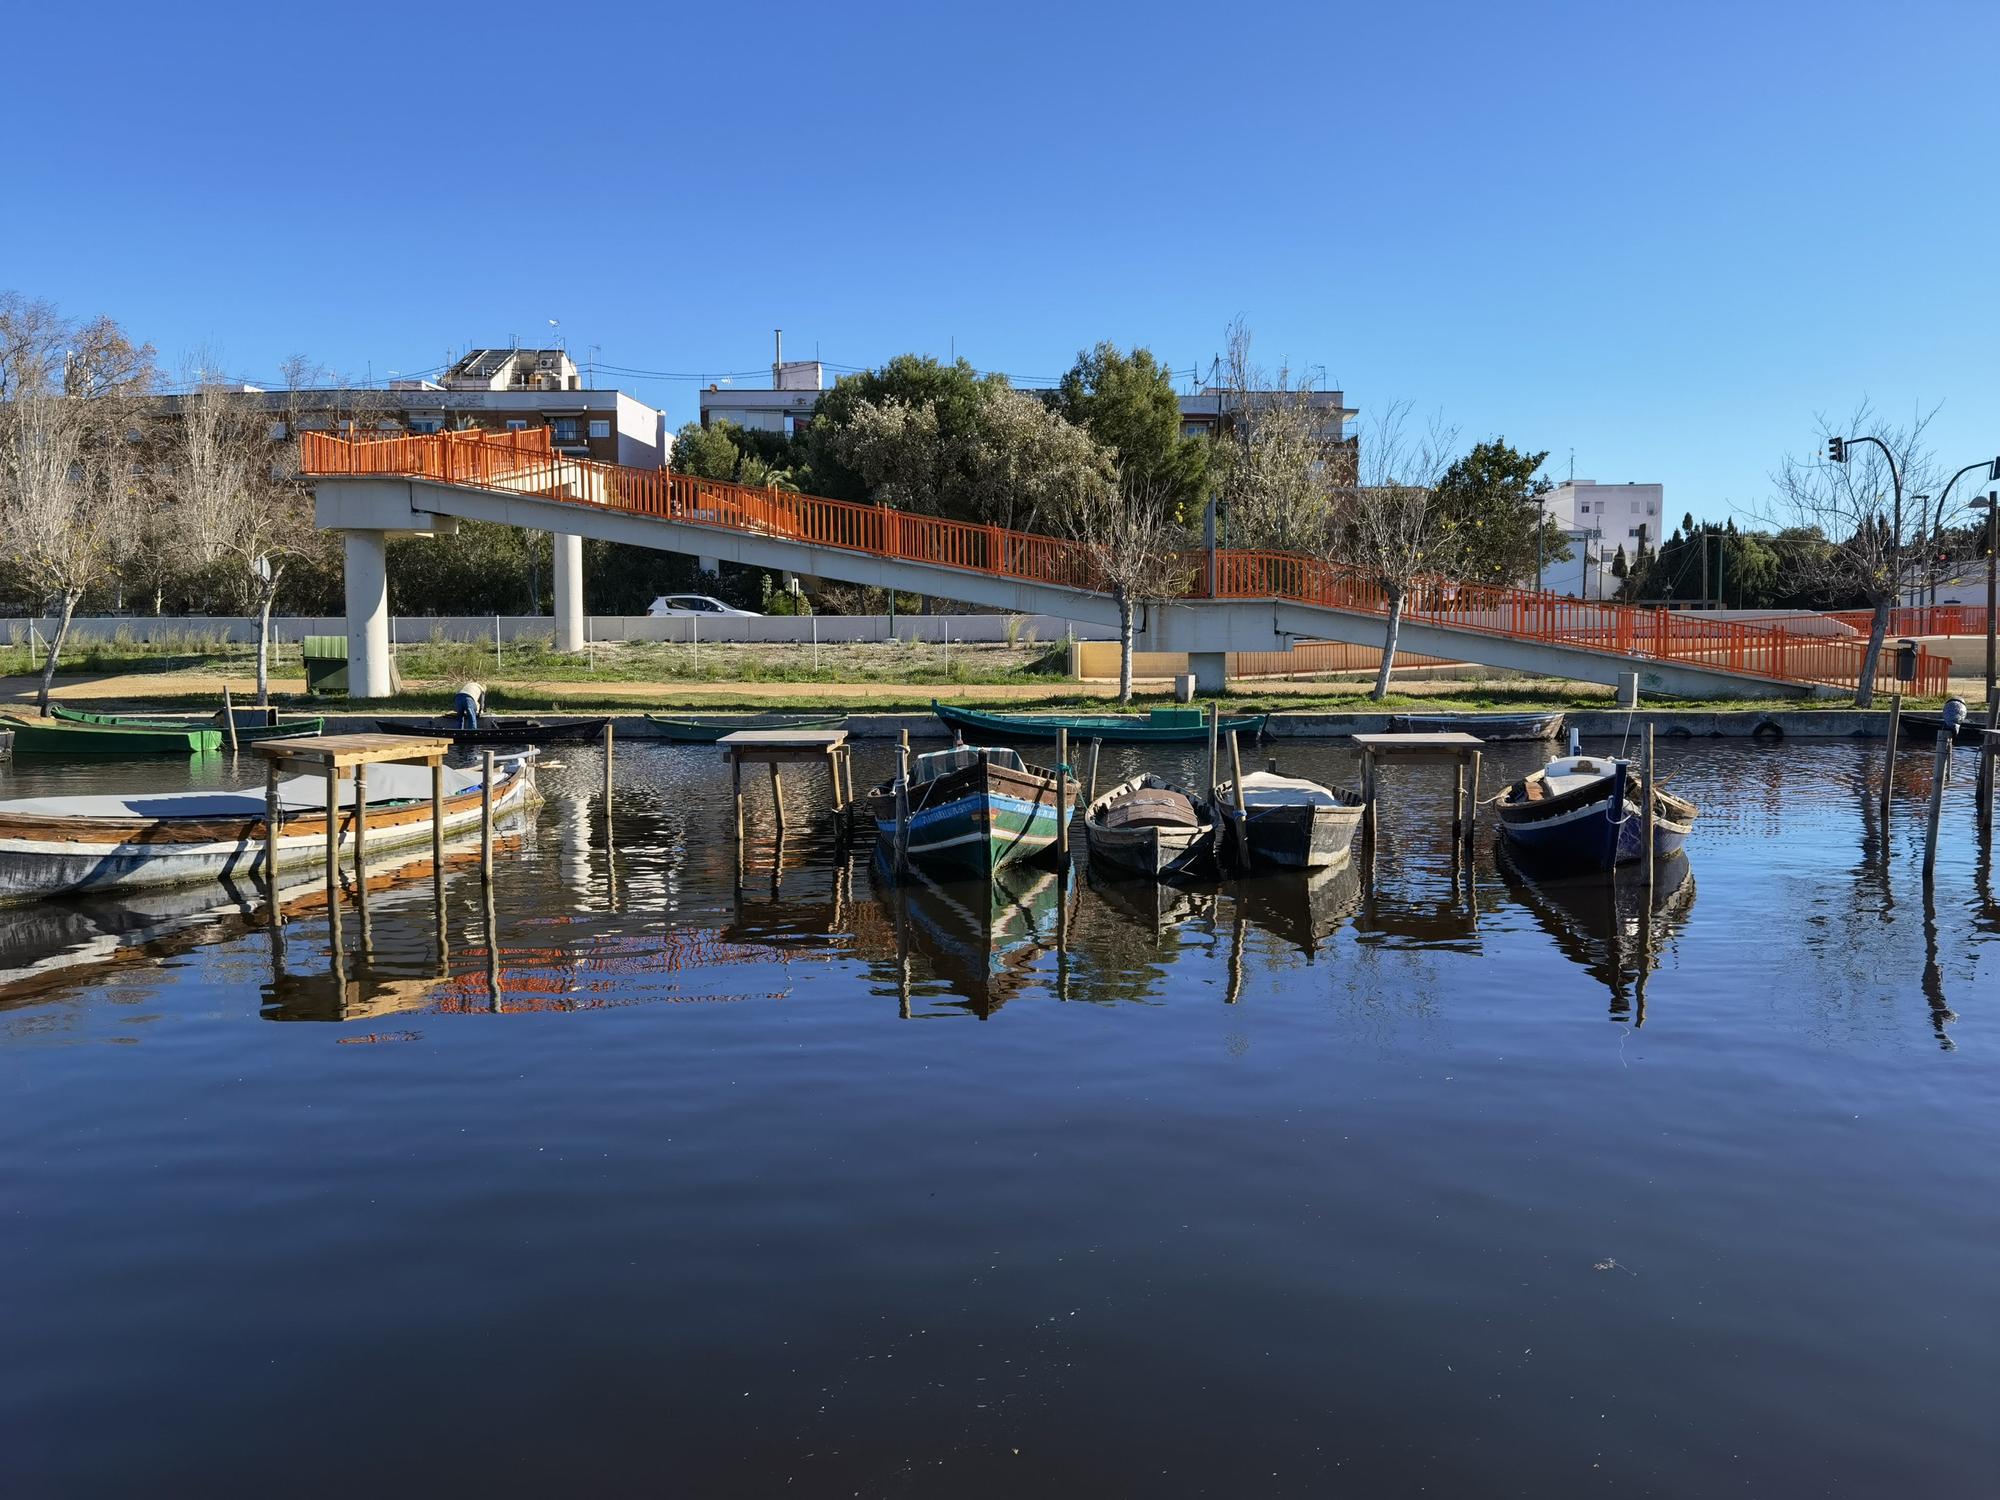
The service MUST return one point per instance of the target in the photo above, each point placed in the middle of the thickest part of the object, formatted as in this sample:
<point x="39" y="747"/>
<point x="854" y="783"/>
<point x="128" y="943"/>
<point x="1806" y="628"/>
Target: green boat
<point x="706" y="729"/>
<point x="251" y="724"/>
<point x="1163" y="726"/>
<point x="63" y="737"/>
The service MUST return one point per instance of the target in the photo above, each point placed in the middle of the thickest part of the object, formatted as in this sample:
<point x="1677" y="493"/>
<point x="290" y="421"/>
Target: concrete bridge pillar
<point x="569" y="592"/>
<point x="371" y="671"/>
<point x="709" y="565"/>
<point x="1211" y="670"/>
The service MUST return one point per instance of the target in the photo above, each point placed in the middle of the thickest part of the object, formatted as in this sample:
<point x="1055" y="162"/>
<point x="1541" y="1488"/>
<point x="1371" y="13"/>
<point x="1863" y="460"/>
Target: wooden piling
<point x="1889" y="759"/>
<point x="1989" y="747"/>
<point x="1472" y="813"/>
<point x="736" y="790"/>
<point x="273" y="817"/>
<point x="607" y="778"/>
<point x="778" y="797"/>
<point x="361" y="852"/>
<point x="1940" y="770"/>
<point x="228" y="718"/>
<point x="1236" y="804"/>
<point x="1457" y="808"/>
<point x="1652" y="802"/>
<point x="1214" y="748"/>
<point x="333" y="856"/>
<point x="1090" y="792"/>
<point x="437" y="816"/>
<point x="486" y="816"/>
<point x="902" y="802"/>
<point x="1062" y="803"/>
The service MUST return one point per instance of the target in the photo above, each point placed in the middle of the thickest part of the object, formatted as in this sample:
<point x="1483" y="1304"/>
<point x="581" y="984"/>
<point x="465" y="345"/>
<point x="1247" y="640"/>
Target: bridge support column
<point x="712" y="565"/>
<point x="1211" y="670"/>
<point x="371" y="671"/>
<point x="569" y="592"/>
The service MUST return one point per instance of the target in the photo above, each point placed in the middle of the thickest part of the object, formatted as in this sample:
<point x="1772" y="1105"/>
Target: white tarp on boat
<point x="1267" y="789"/>
<point x="386" y="783"/>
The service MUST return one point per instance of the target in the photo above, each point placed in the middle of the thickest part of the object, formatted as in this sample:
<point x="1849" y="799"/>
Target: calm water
<point x="667" y="1184"/>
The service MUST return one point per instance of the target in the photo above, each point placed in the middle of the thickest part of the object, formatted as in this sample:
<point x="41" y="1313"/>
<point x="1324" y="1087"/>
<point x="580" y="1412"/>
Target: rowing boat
<point x="1148" y="826"/>
<point x="252" y="725"/>
<point x="56" y="845"/>
<point x="62" y="737"/>
<point x="501" y="731"/>
<point x="1489" y="727"/>
<point x="971" y="810"/>
<point x="1586" y="814"/>
<point x="1296" y="824"/>
<point x="707" y="729"/>
<point x="1163" y="726"/>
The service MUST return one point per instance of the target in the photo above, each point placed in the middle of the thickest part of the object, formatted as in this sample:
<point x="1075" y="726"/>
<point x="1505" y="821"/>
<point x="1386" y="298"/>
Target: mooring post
<point x="607" y="784"/>
<point x="778" y="796"/>
<point x="1062" y="803"/>
<point x="736" y="790"/>
<point x="272" y="816"/>
<point x="437" y="817"/>
<point x="1889" y="761"/>
<point x="361" y="852"/>
<point x="333" y="856"/>
<point x="1940" y="769"/>
<point x="1458" y="805"/>
<point x="902" y="802"/>
<point x="1236" y="802"/>
<point x="486" y="816"/>
<point x="1090" y="792"/>
<point x="229" y="718"/>
<point x="1214" y="749"/>
<point x="1472" y="813"/>
<point x="1652" y="805"/>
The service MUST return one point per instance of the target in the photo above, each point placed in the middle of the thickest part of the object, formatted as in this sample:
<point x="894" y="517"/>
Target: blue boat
<point x="1585" y="814"/>
<point x="972" y="809"/>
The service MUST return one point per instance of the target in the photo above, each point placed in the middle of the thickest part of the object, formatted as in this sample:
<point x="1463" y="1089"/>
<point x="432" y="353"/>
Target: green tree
<point x="723" y="450"/>
<point x="955" y="394"/>
<point x="1491" y="498"/>
<point x="1127" y="403"/>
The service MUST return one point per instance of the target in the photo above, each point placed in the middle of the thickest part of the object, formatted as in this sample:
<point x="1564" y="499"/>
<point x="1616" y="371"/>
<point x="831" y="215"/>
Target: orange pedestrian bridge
<point x="373" y="488"/>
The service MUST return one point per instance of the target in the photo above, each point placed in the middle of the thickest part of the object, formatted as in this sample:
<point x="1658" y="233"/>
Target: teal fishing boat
<point x="707" y="729"/>
<point x="62" y="737"/>
<point x="252" y="724"/>
<point x="971" y="810"/>
<point x="1163" y="726"/>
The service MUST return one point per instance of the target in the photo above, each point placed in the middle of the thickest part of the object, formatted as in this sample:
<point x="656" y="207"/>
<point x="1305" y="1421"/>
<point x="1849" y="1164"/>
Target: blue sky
<point x="1664" y="237"/>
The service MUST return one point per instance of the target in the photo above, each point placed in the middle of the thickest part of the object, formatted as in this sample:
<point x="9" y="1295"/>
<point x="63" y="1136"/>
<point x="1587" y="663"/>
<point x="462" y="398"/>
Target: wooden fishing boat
<point x="1148" y="826"/>
<point x="972" y="809"/>
<point x="65" y="737"/>
<point x="1163" y="726"/>
<point x="501" y="731"/>
<point x="53" y="845"/>
<point x="252" y="724"/>
<point x="1295" y="824"/>
<point x="1489" y="727"/>
<point x="706" y="729"/>
<point x="1585" y="814"/>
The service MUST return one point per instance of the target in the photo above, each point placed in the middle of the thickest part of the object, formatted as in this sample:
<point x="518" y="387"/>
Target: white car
<point x="693" y="604"/>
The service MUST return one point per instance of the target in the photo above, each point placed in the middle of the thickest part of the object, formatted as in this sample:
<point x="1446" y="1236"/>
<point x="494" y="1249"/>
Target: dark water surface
<point x="805" y="1187"/>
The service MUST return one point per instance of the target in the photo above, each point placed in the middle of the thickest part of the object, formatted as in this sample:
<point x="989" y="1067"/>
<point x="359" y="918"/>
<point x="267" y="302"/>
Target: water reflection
<point x="1607" y="927"/>
<point x="975" y="946"/>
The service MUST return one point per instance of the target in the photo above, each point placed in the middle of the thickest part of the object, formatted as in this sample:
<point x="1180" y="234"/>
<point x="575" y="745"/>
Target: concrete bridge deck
<point x="1241" y="601"/>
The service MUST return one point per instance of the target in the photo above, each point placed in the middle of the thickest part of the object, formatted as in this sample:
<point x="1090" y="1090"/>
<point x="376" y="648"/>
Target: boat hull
<point x="251" y="724"/>
<point x="702" y="731"/>
<point x="68" y="737"/>
<point x="1595" y="829"/>
<point x="55" y="856"/>
<point x="1152" y="850"/>
<point x="968" y="823"/>
<point x="503" y="731"/>
<point x="1492" y="728"/>
<point x="1301" y="837"/>
<point x="1113" y="730"/>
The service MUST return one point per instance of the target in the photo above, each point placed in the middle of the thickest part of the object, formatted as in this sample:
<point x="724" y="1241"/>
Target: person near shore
<point x="469" y="703"/>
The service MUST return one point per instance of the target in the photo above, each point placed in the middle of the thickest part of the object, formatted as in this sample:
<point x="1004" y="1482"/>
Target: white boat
<point x="54" y="845"/>
<point x="1297" y="824"/>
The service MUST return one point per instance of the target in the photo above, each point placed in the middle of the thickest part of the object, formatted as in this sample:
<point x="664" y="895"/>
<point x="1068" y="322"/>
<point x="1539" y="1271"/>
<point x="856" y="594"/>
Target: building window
<point x="565" y="429"/>
<point x="517" y="424"/>
<point x="1585" y="507"/>
<point x="1635" y="531"/>
<point x="426" y="424"/>
<point x="600" y="427"/>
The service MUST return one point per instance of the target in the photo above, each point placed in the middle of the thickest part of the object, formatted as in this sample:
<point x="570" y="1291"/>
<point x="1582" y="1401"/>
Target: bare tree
<point x="237" y="495"/>
<point x="69" y="477"/>
<point x="1864" y="511"/>
<point x="1132" y="547"/>
<point x="1388" y="527"/>
<point x="1279" y="463"/>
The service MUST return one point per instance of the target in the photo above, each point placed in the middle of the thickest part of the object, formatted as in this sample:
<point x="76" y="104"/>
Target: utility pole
<point x="1703" y="543"/>
<point x="1992" y="587"/>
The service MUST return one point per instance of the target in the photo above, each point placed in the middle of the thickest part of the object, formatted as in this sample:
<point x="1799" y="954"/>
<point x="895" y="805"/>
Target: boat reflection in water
<point x="1305" y="911"/>
<point x="980" y="941"/>
<point x="1606" y="926"/>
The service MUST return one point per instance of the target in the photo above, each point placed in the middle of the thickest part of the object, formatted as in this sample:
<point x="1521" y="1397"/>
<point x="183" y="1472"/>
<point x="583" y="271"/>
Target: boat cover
<point x="1573" y="771"/>
<point x="1268" y="789"/>
<point x="386" y="783"/>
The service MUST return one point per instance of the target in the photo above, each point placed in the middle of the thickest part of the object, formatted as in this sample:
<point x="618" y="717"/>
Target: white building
<point x="1599" y="519"/>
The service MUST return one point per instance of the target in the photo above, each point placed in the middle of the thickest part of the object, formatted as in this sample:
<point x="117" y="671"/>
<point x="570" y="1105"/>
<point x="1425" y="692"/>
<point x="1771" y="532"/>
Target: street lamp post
<point x="1992" y="468"/>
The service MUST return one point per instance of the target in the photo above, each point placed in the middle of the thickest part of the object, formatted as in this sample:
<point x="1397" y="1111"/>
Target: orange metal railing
<point x="1926" y="619"/>
<point x="524" y="463"/>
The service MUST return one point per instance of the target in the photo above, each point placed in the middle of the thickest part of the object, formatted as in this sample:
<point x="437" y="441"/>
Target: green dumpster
<point x="326" y="664"/>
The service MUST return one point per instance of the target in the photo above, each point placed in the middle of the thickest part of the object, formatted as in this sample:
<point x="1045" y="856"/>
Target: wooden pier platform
<point x="781" y="747"/>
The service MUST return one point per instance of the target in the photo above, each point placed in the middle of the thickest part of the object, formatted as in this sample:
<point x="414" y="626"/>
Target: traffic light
<point x="1836" y="450"/>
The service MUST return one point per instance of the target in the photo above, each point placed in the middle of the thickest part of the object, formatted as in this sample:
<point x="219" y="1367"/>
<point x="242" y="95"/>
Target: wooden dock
<point x="782" y="747"/>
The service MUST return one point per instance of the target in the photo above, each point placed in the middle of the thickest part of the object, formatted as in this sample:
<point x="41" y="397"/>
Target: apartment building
<point x="1599" y="519"/>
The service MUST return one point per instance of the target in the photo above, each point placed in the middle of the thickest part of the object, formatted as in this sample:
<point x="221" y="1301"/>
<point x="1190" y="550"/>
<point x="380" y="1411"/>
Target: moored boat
<point x="66" y="737"/>
<point x="707" y="729"/>
<point x="1295" y="824"/>
<point x="252" y="724"/>
<point x="1489" y="727"/>
<point x="52" y="845"/>
<point x="1148" y="826"/>
<point x="501" y="731"/>
<point x="1163" y="726"/>
<point x="1586" y="814"/>
<point x="972" y="809"/>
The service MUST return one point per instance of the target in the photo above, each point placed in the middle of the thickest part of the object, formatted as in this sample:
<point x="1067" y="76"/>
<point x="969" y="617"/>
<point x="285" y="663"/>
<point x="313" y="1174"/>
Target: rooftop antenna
<point x="1572" y="466"/>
